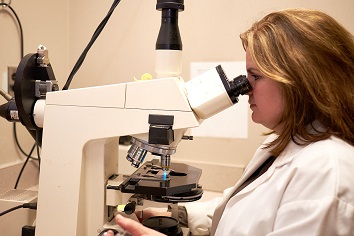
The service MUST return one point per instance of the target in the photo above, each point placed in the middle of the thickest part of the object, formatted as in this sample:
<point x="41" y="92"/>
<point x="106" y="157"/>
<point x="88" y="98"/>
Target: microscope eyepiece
<point x="236" y="87"/>
<point x="239" y="86"/>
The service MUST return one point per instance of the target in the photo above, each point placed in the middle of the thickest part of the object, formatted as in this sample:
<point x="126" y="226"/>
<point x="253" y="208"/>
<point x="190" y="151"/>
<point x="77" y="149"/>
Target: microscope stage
<point x="179" y="185"/>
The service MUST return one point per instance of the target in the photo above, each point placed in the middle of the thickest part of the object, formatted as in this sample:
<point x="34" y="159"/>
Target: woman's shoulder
<point x="333" y="153"/>
<point x="332" y="147"/>
<point x="329" y="165"/>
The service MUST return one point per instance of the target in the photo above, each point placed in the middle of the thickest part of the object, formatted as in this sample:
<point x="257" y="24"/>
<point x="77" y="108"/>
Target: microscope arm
<point x="86" y="123"/>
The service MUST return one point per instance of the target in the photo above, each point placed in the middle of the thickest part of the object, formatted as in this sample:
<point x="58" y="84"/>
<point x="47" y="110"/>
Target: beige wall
<point x="125" y="49"/>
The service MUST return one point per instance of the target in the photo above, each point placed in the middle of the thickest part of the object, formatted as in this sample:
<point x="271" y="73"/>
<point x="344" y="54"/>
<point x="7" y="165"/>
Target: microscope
<point x="79" y="129"/>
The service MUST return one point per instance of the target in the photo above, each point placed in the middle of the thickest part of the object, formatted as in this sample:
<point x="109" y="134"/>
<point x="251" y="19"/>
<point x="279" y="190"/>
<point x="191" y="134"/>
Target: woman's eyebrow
<point x="252" y="70"/>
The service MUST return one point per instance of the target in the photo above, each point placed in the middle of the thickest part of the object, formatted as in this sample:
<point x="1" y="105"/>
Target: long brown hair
<point x="312" y="56"/>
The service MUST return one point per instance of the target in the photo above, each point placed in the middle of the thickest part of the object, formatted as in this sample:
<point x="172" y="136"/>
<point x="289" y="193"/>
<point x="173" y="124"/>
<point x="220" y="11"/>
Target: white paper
<point x="232" y="122"/>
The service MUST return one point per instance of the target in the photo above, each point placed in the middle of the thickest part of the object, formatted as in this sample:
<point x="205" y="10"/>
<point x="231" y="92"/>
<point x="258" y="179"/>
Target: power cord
<point x="31" y="205"/>
<point x="19" y="145"/>
<point x="23" y="166"/>
<point x="93" y="39"/>
<point x="67" y="84"/>
<point x="38" y="153"/>
<point x="5" y="6"/>
<point x="29" y="156"/>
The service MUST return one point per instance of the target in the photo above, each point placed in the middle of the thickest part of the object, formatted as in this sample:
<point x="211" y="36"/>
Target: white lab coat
<point x="308" y="190"/>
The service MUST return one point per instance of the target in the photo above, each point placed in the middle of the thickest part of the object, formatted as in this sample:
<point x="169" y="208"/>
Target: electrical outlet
<point x="11" y="72"/>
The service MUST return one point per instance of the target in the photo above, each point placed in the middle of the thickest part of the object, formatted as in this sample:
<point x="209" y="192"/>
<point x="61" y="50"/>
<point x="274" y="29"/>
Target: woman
<point x="300" y="64"/>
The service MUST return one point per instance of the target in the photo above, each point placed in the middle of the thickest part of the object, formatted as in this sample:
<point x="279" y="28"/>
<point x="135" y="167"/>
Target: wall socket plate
<point x="11" y="72"/>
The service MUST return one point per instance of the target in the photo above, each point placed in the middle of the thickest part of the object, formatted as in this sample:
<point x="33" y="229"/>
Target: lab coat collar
<point x="291" y="150"/>
<point x="262" y="155"/>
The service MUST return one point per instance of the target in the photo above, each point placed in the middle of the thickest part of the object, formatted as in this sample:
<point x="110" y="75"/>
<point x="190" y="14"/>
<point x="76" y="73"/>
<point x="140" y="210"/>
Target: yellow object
<point x="145" y="76"/>
<point x="120" y="208"/>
